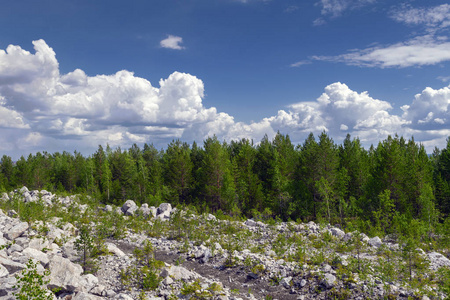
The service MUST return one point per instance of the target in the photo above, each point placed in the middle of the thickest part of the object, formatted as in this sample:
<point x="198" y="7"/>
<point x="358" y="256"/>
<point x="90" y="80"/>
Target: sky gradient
<point x="76" y="74"/>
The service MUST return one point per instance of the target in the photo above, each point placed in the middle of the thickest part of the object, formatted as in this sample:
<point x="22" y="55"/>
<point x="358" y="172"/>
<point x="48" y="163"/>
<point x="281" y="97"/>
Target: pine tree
<point x="178" y="170"/>
<point x="248" y="185"/>
<point x="219" y="187"/>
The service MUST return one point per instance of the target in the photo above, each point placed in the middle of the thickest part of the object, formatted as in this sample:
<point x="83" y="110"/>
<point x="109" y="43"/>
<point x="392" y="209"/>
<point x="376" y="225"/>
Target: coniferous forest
<point x="381" y="190"/>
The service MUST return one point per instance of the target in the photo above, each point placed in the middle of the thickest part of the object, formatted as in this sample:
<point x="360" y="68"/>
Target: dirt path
<point x="233" y="278"/>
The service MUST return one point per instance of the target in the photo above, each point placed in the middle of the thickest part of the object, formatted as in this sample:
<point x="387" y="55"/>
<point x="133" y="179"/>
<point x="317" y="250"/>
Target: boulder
<point x="328" y="281"/>
<point x="4" y="197"/>
<point x="66" y="201"/>
<point x="36" y="254"/>
<point x="55" y="233"/>
<point x="3" y="271"/>
<point x="39" y="243"/>
<point x="14" y="248"/>
<point x="164" y="210"/>
<point x="23" y="190"/>
<point x="22" y="241"/>
<point x="64" y="274"/>
<point x="286" y="282"/>
<point x="17" y="230"/>
<point x="69" y="251"/>
<point x="375" y="242"/>
<point x="211" y="217"/>
<point x="153" y="211"/>
<point x="98" y="290"/>
<point x="27" y="197"/>
<point x="437" y="260"/>
<point x="113" y="249"/>
<point x="88" y="282"/>
<point x="337" y="232"/>
<point x="10" y="265"/>
<point x="250" y="223"/>
<point x="177" y="273"/>
<point x="127" y="205"/>
<point x="47" y="199"/>
<point x="118" y="211"/>
<point x="144" y="210"/>
<point x="364" y="237"/>
<point x="132" y="211"/>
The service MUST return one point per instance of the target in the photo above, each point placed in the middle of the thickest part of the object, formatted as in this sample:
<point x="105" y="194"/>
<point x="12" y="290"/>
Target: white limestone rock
<point x="11" y="265"/>
<point x="17" y="230"/>
<point x="328" y="281"/>
<point x="36" y="254"/>
<point x="177" y="273"/>
<point x="164" y="210"/>
<point x="375" y="242"/>
<point x="337" y="232"/>
<point x="127" y="205"/>
<point x="64" y="274"/>
<point x="113" y="249"/>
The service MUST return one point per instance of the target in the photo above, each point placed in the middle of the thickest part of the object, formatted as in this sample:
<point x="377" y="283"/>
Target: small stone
<point x="168" y="280"/>
<point x="286" y="282"/>
<point x="328" y="281"/>
<point x="326" y="268"/>
<point x="303" y="282"/>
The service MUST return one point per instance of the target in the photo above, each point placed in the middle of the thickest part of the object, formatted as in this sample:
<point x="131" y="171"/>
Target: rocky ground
<point x="165" y="253"/>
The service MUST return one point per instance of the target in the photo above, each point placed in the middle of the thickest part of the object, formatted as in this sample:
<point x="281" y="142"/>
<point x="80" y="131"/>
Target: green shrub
<point x="31" y="284"/>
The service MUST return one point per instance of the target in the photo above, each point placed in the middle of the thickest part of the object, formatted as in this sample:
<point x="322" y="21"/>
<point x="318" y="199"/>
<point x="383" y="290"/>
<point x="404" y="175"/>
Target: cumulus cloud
<point x="118" y="108"/>
<point x="430" y="109"/>
<point x="419" y="51"/>
<point x="340" y="110"/>
<point x="41" y="109"/>
<point x="172" y="42"/>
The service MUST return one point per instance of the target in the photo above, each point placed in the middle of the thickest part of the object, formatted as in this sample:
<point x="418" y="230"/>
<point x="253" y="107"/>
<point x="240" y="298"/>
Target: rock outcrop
<point x="203" y="257"/>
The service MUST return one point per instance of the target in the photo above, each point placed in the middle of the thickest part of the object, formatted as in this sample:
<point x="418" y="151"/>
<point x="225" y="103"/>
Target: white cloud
<point x="335" y="8"/>
<point x="444" y="78"/>
<point x="429" y="48"/>
<point x="420" y="51"/>
<point x="300" y="63"/>
<point x="172" y="42"/>
<point x="437" y="17"/>
<point x="40" y="109"/>
<point x="430" y="110"/>
<point x="340" y="110"/>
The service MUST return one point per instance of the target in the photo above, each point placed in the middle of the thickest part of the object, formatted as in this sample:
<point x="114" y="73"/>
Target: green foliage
<point x="384" y="214"/>
<point x="444" y="281"/>
<point x="88" y="248"/>
<point x="195" y="291"/>
<point x="143" y="274"/>
<point x="31" y="284"/>
<point x="376" y="191"/>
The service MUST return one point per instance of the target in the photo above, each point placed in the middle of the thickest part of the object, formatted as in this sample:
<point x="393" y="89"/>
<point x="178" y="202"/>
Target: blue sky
<point x="76" y="74"/>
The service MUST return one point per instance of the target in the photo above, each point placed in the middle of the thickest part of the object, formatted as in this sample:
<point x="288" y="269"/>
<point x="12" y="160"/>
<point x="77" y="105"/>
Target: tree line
<point x="376" y="188"/>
